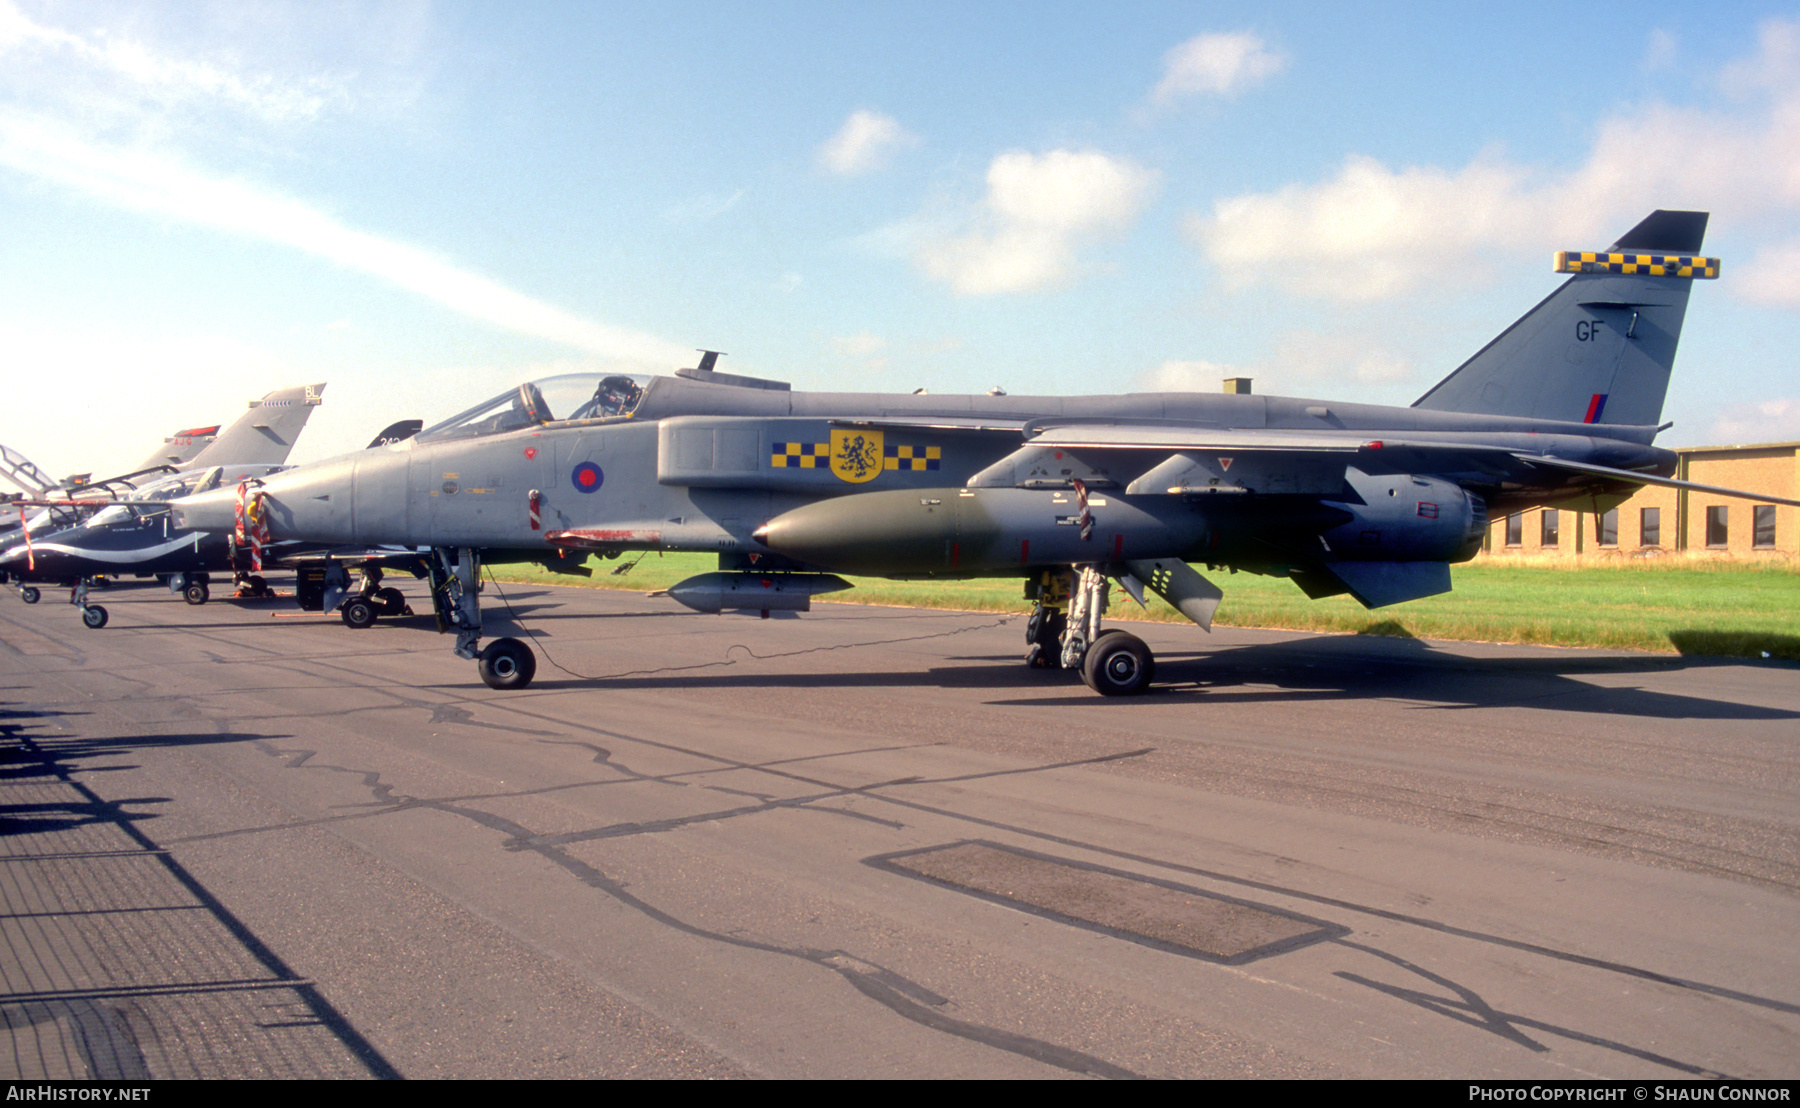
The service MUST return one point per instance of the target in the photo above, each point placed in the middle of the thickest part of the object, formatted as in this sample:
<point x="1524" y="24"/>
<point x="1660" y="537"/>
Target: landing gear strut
<point x="92" y="615"/>
<point x="456" y="599"/>
<point x="1064" y="631"/>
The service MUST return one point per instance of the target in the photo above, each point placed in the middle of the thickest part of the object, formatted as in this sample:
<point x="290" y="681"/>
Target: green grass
<point x="1673" y="605"/>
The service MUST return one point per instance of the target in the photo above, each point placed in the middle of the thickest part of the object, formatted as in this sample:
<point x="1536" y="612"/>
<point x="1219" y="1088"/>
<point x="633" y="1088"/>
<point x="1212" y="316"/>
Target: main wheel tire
<point x="29" y="595"/>
<point x="507" y="664"/>
<point x="94" y="616"/>
<point x="358" y="613"/>
<point x="196" y="593"/>
<point x="258" y="586"/>
<point x="1043" y="634"/>
<point x="1118" y="664"/>
<point x="391" y="601"/>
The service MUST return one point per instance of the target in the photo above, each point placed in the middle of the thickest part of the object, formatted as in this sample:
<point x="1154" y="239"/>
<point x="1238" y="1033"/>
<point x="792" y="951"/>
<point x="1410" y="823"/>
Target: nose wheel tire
<point x="196" y="594"/>
<point x="359" y="614"/>
<point x="1118" y="664"/>
<point x="507" y="664"/>
<point x="94" y="616"/>
<point x="28" y="594"/>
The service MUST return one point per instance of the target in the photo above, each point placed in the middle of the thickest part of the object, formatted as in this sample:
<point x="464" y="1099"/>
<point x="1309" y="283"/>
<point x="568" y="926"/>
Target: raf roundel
<point x="587" y="477"/>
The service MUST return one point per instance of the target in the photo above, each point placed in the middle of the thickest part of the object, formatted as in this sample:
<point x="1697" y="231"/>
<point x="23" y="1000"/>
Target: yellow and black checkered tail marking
<point x="800" y="455"/>
<point x="1650" y="265"/>
<point x="915" y="459"/>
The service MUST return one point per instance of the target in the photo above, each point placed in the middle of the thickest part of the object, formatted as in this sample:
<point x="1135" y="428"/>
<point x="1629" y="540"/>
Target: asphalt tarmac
<point x="241" y="841"/>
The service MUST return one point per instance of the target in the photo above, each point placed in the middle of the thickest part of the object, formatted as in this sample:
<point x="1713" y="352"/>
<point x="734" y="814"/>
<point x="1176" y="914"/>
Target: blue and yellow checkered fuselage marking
<point x="916" y="459"/>
<point x="817" y="455"/>
<point x="800" y="455"/>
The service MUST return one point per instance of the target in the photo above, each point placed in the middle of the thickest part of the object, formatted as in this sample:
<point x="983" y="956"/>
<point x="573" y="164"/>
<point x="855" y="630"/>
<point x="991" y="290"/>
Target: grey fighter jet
<point x="1069" y="494"/>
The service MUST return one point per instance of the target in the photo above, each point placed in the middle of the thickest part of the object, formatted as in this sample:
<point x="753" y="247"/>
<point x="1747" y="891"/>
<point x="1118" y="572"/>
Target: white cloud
<point x="1038" y="208"/>
<point x="864" y="143"/>
<point x="1776" y="420"/>
<point x="1774" y="68"/>
<point x="1369" y="234"/>
<point x="1300" y="358"/>
<point x="1375" y="232"/>
<point x="1660" y="52"/>
<point x="1772" y="277"/>
<point x="1178" y="376"/>
<point x="702" y="208"/>
<point x="865" y="351"/>
<point x="860" y="345"/>
<point x="124" y="64"/>
<point x="1219" y="64"/>
<point x="158" y="184"/>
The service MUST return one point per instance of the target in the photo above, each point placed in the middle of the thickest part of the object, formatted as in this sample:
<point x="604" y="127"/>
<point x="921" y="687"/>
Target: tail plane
<point x="1600" y="348"/>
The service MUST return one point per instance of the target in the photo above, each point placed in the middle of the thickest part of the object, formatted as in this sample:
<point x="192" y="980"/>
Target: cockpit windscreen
<point x="574" y="396"/>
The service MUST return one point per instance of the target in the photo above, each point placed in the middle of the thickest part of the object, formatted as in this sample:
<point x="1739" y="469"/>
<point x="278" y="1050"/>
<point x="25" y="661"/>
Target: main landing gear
<point x="191" y="587"/>
<point x="371" y="600"/>
<point x="1064" y="633"/>
<point x="456" y="599"/>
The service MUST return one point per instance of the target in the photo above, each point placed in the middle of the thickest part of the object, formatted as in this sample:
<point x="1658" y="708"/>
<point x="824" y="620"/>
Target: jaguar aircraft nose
<point x="207" y="511"/>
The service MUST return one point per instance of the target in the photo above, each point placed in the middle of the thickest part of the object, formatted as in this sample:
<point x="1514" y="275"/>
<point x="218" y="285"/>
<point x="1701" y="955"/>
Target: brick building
<point x="1663" y="519"/>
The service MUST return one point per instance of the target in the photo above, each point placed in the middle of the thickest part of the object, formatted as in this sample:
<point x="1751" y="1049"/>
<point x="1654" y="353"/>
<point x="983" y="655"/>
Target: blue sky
<point x="421" y="204"/>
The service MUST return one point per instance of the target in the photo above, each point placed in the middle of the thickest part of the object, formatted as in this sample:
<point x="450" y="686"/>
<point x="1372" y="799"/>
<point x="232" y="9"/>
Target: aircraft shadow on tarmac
<point x="1325" y="668"/>
<point x="1347" y="668"/>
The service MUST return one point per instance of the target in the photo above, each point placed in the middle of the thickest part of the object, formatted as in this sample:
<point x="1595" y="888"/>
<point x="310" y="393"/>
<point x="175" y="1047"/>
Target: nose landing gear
<point x="504" y="664"/>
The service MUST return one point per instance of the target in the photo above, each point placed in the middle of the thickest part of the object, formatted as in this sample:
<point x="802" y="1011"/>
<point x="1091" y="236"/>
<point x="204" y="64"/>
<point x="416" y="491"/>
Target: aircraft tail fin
<point x="180" y="448"/>
<point x="265" y="434"/>
<point x="1600" y="348"/>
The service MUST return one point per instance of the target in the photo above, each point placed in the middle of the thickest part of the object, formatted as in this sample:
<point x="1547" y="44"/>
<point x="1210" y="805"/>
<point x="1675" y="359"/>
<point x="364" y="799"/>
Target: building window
<point x="1764" y="536"/>
<point x="1650" y="527"/>
<point x="1609" y="528"/>
<point x="1548" y="536"/>
<point x="1515" y="530"/>
<point x="1718" y="531"/>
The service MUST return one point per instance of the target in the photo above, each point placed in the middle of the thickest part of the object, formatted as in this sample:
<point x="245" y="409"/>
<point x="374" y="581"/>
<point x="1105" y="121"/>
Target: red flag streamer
<point x="1084" y="519"/>
<point x="252" y="524"/>
<point x="243" y="487"/>
<point x="259" y="531"/>
<point x="30" y="556"/>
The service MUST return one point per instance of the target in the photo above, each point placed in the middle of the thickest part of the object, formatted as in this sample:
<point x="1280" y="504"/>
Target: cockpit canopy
<point x="125" y="514"/>
<point x="565" y="399"/>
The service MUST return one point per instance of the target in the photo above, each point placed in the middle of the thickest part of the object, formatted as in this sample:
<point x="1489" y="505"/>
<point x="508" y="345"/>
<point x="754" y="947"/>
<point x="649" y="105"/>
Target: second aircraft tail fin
<point x="265" y="434"/>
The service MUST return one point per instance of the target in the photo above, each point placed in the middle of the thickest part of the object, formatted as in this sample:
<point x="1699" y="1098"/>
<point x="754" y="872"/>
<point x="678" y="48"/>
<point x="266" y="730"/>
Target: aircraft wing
<point x="1198" y="459"/>
<point x="1648" y="479"/>
<point x="1147" y="436"/>
<point x="936" y="423"/>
